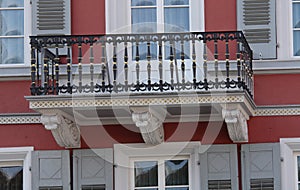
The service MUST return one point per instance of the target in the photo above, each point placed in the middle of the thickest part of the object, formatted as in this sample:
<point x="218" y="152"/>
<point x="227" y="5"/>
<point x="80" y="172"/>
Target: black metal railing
<point x="201" y="61"/>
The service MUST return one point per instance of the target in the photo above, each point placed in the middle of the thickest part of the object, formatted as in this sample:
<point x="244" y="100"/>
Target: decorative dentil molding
<point x="236" y="120"/>
<point x="150" y="124"/>
<point x="65" y="131"/>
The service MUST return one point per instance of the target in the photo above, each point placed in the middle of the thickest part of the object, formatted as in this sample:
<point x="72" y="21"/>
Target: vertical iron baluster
<point x="103" y="65"/>
<point x="80" y="66"/>
<point x="194" y="64"/>
<point x="46" y="72"/>
<point x="137" y="66"/>
<point x="92" y="65"/>
<point x="227" y="54"/>
<point x="52" y="62"/>
<point x="126" y="67"/>
<point x="238" y="58"/>
<point x="33" y="71"/>
<point x="172" y="65"/>
<point x="160" y="66"/>
<point x="182" y="64"/>
<point x="115" y="67"/>
<point x="56" y="70"/>
<point x="69" y="87"/>
<point x="38" y="81"/>
<point x="205" y="84"/>
<point x="149" y="66"/>
<point x="216" y="55"/>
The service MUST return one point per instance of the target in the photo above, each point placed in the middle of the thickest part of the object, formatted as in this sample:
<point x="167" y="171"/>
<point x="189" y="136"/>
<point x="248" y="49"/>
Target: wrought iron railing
<point x="198" y="61"/>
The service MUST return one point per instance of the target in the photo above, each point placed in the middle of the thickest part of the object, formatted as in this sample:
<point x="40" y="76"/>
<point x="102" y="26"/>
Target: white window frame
<point x="118" y="16"/>
<point x="289" y="147"/>
<point x="19" y="154"/>
<point x="296" y="154"/>
<point x="124" y="154"/>
<point x="284" y="17"/>
<point x="161" y="169"/>
<point x="27" y="48"/>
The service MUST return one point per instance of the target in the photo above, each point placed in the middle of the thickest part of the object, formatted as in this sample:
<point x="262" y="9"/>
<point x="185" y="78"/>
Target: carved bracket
<point x="150" y="124"/>
<point x="65" y="131"/>
<point x="236" y="120"/>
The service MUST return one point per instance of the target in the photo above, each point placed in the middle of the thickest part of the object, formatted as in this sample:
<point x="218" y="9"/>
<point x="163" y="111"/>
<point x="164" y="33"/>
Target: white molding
<point x="288" y="148"/>
<point x="65" y="131"/>
<point x="20" y="119"/>
<point x="236" y="120"/>
<point x="124" y="152"/>
<point x="19" y="154"/>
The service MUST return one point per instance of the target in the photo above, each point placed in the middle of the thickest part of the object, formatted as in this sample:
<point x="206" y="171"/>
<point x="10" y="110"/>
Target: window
<point x="12" y="32"/>
<point x="168" y="166"/>
<point x="298" y="170"/>
<point x="296" y="27"/>
<point x="14" y="168"/>
<point x="161" y="174"/>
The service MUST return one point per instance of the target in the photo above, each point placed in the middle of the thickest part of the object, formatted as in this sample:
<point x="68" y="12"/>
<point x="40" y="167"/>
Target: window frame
<point x="19" y="154"/>
<point x="161" y="171"/>
<point x="125" y="153"/>
<point x="27" y="32"/>
<point x="118" y="16"/>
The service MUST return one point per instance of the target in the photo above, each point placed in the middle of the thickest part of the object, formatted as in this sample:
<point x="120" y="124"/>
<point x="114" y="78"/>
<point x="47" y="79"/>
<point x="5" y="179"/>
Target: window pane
<point x="176" y="2"/>
<point x="298" y="161"/>
<point x="11" y="51"/>
<point x="50" y="188"/>
<point x="146" y="174"/>
<point x="178" y="188"/>
<point x="143" y="51"/>
<point x="11" y="3"/>
<point x="12" y="22"/>
<point x="143" y="2"/>
<point x="296" y="15"/>
<point x="177" y="19"/>
<point x="296" y="43"/>
<point x="176" y="172"/>
<point x="143" y="20"/>
<point x="11" y="178"/>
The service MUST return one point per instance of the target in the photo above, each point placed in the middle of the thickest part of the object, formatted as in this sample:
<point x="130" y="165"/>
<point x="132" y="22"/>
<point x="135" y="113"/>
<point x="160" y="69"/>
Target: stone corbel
<point x="65" y="131"/>
<point x="236" y="120"/>
<point x="150" y="123"/>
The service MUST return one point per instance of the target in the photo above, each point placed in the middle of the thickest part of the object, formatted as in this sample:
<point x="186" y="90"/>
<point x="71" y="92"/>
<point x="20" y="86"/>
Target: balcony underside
<point x="138" y="109"/>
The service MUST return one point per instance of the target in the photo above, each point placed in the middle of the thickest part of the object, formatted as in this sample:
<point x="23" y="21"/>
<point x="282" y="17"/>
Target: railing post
<point x="33" y="67"/>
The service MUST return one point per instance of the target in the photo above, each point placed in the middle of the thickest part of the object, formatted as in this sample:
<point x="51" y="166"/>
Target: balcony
<point x="142" y="77"/>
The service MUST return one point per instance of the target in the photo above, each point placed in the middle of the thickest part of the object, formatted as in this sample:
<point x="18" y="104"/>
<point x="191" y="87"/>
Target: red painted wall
<point x="88" y="17"/>
<point x="220" y="15"/>
<point x="27" y="135"/>
<point x="277" y="89"/>
<point x="12" y="96"/>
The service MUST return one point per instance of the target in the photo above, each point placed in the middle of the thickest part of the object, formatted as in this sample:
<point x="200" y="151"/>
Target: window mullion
<point x="160" y="16"/>
<point x="161" y="175"/>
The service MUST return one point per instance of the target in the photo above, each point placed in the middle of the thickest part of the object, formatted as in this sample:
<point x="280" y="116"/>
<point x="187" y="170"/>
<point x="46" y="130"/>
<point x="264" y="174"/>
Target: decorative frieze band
<point x="20" y="119"/>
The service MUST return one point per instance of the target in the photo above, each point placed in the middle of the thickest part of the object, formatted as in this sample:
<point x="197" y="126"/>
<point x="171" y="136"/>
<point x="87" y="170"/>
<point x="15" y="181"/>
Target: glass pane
<point x="11" y="3"/>
<point x="176" y="2"/>
<point x="296" y="15"/>
<point x="11" y="50"/>
<point x="146" y="174"/>
<point x="298" y="161"/>
<point x="178" y="188"/>
<point x="177" y="19"/>
<point x="296" y="43"/>
<point x="177" y="50"/>
<point x="177" y="172"/>
<point x="12" y="22"/>
<point x="50" y="188"/>
<point x="93" y="187"/>
<point x="143" y="20"/>
<point x="143" y="51"/>
<point x="11" y="178"/>
<point x="143" y="2"/>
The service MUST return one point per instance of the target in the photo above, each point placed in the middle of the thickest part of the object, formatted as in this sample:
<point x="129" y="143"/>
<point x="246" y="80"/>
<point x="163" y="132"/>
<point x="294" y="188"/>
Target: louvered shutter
<point x="93" y="169"/>
<point x="257" y="19"/>
<point x="261" y="166"/>
<point x="50" y="169"/>
<point x="51" y="17"/>
<point x="218" y="168"/>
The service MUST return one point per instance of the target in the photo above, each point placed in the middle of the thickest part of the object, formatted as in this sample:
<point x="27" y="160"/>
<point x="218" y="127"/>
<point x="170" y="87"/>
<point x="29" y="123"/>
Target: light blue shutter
<point x="51" y="17"/>
<point x="50" y="169"/>
<point x="93" y="168"/>
<point x="218" y="168"/>
<point x="261" y="166"/>
<point x="257" y="19"/>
